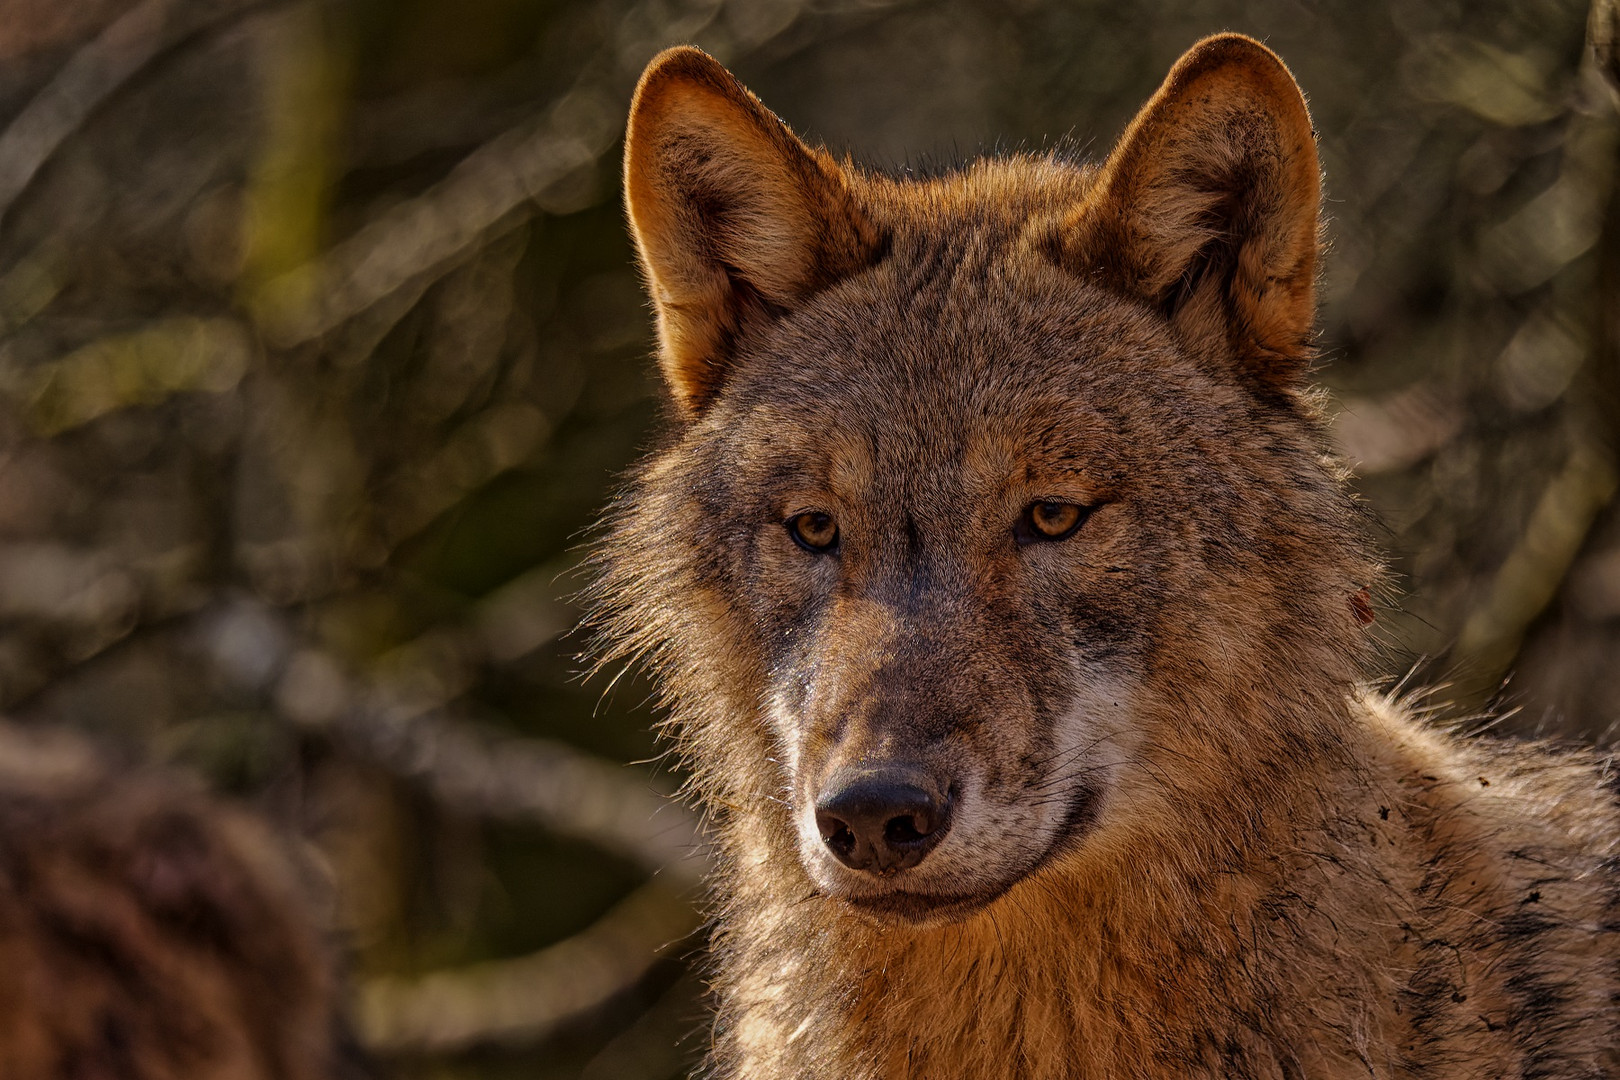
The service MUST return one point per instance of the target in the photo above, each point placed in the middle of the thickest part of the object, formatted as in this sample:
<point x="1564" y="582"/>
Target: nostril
<point x="835" y="832"/>
<point x="904" y="830"/>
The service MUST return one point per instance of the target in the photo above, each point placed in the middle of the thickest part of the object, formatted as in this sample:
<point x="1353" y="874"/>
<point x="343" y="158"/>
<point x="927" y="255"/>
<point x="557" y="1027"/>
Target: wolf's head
<point x="995" y="528"/>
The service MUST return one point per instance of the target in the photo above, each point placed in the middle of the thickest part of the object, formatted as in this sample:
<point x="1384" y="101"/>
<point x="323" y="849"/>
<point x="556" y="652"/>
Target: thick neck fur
<point x="1095" y="949"/>
<point x="1385" y="908"/>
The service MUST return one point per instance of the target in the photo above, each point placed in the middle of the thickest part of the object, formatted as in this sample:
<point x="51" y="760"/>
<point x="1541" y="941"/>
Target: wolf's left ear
<point x="735" y="219"/>
<point x="1208" y="208"/>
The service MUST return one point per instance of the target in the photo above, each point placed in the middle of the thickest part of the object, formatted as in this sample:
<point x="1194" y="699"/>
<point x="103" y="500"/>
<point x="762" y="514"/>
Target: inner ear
<point x="735" y="220"/>
<point x="1199" y="305"/>
<point x="1208" y="209"/>
<point x="1203" y="279"/>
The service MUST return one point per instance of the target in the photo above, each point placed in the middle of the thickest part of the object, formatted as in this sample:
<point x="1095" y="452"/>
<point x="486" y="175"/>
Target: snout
<point x="882" y="820"/>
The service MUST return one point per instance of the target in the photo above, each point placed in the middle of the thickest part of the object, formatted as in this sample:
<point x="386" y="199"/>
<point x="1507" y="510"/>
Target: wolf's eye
<point x="1049" y="521"/>
<point x="814" y="531"/>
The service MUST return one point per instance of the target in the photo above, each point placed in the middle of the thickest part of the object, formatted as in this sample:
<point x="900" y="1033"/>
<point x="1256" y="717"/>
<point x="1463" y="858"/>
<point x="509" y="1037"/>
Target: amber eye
<point x="814" y="531"/>
<point x="1049" y="521"/>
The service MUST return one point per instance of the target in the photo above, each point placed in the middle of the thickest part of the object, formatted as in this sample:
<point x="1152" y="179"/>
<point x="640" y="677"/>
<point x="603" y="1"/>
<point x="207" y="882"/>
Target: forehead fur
<point x="965" y="328"/>
<point x="1009" y="194"/>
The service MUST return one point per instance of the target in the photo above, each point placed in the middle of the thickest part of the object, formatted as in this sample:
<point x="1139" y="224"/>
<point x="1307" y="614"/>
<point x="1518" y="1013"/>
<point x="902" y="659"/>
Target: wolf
<point x="1010" y="611"/>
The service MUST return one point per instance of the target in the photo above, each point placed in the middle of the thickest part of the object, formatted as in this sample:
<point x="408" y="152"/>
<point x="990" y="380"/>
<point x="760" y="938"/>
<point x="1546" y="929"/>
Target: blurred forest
<point x="321" y="346"/>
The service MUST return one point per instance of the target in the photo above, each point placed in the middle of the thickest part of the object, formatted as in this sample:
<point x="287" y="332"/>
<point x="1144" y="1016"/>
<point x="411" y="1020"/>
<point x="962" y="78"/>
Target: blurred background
<point x="321" y="345"/>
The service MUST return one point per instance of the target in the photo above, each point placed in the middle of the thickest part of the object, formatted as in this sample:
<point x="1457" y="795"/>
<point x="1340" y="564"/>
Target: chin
<point x="919" y="910"/>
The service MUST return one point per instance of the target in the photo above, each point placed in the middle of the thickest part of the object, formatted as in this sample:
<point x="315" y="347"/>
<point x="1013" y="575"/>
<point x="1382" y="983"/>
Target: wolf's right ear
<point x="735" y="219"/>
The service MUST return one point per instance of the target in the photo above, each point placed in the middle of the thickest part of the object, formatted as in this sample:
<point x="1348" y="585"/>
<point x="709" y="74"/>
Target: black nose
<point x="882" y="820"/>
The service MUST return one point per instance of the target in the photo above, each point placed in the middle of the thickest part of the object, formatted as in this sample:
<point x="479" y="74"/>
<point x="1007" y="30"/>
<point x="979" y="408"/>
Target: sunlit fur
<point x="1187" y="840"/>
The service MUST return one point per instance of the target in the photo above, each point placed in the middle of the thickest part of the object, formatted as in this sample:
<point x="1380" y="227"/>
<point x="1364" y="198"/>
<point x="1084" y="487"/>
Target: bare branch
<point x="1533" y="572"/>
<point x="1603" y="42"/>
<point x="116" y="55"/>
<point x="478" y="770"/>
<point x="527" y="998"/>
<point x="1396" y="430"/>
<point x="419" y="236"/>
<point x="497" y="186"/>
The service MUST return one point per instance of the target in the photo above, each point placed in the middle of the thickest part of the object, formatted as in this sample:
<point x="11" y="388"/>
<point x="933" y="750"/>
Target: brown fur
<point x="1187" y="840"/>
<point x="149" y="933"/>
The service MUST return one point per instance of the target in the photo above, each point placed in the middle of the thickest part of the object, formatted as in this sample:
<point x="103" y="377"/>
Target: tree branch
<point x="526" y="999"/>
<point x="479" y="771"/>
<point x="117" y="54"/>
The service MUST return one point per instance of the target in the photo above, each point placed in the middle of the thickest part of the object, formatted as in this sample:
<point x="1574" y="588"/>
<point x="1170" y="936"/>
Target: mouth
<point x="921" y="909"/>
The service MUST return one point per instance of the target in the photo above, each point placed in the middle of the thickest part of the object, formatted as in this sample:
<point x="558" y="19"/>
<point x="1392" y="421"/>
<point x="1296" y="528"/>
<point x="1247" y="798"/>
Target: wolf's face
<point x="952" y="538"/>
<point x="965" y="508"/>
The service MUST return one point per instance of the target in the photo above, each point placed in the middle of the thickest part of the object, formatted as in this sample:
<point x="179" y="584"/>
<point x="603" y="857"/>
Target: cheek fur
<point x="789" y="738"/>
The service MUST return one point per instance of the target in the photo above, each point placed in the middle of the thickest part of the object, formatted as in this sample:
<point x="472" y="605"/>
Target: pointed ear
<point x="734" y="218"/>
<point x="1208" y="208"/>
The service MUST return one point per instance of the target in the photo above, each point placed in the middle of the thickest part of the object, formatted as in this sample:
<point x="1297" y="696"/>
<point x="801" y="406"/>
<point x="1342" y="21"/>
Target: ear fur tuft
<point x="1208" y="207"/>
<point x="734" y="218"/>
